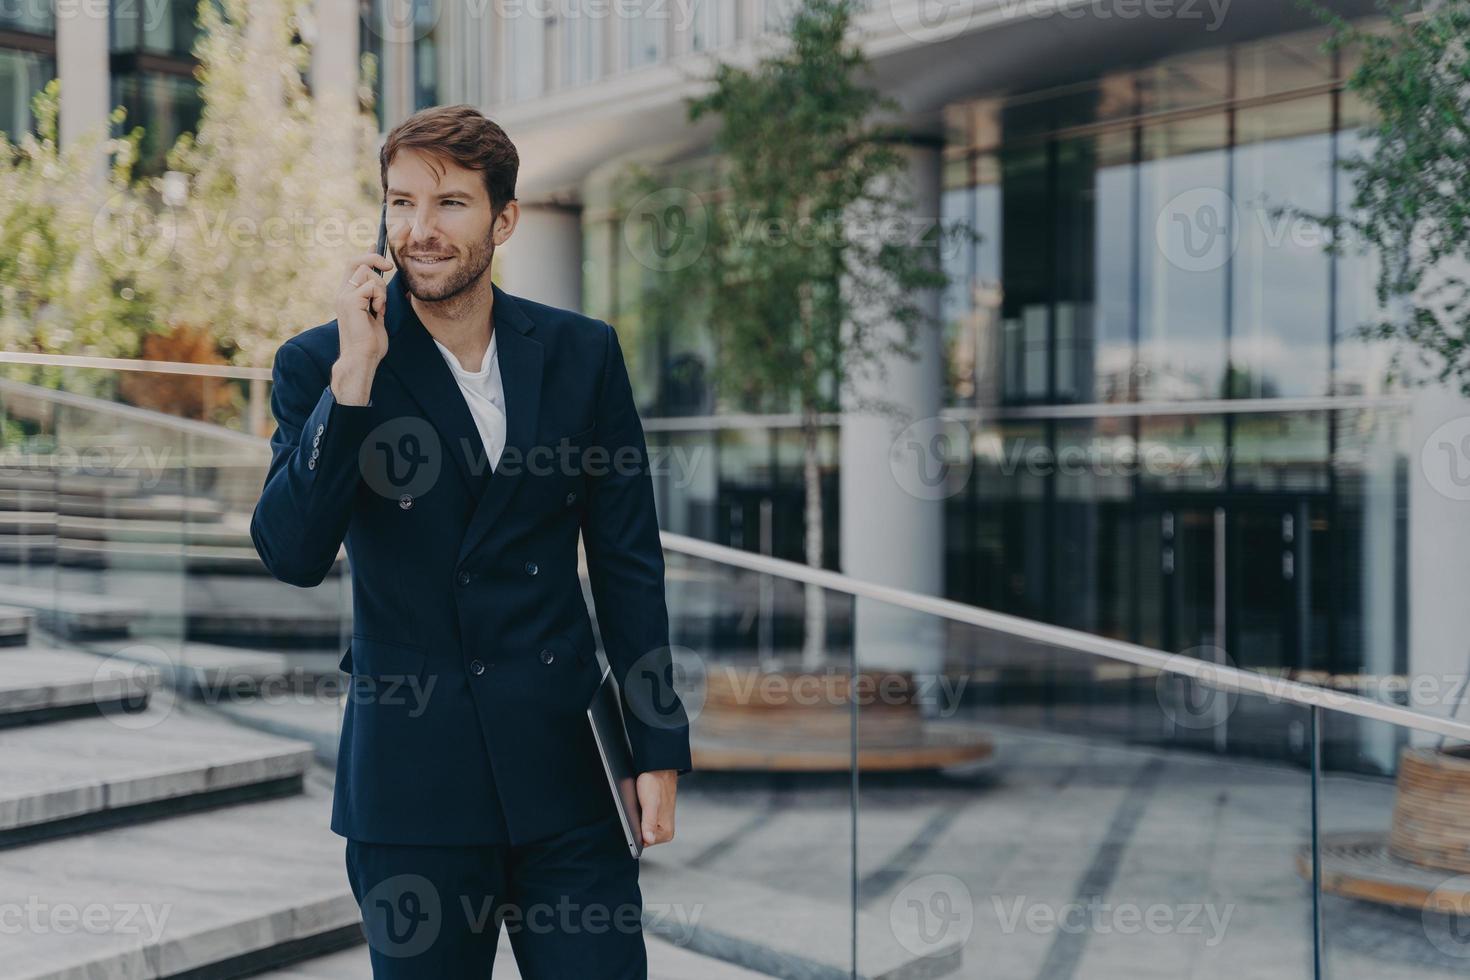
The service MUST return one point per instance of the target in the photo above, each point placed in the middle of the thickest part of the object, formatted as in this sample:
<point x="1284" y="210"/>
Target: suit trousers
<point x="570" y="902"/>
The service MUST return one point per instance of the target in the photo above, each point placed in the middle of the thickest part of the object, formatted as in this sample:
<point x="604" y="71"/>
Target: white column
<point x="334" y="52"/>
<point x="890" y="535"/>
<point x="542" y="260"/>
<point x="81" y="64"/>
<point x="1439" y="549"/>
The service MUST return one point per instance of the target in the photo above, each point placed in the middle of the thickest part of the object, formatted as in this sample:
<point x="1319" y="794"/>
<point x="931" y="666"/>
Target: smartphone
<point x="382" y="248"/>
<point x="383" y="234"/>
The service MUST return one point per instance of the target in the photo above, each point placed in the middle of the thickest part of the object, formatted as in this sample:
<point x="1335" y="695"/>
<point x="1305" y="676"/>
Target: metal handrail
<point x="161" y="420"/>
<point x="137" y="364"/>
<point x="1215" y="675"/>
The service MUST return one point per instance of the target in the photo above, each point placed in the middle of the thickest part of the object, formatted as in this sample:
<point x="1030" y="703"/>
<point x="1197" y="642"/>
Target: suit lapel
<point x="521" y="363"/>
<point x="419" y="365"/>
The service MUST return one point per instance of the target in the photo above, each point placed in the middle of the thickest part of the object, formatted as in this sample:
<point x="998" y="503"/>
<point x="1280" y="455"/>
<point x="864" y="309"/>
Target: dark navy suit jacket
<point x="472" y="655"/>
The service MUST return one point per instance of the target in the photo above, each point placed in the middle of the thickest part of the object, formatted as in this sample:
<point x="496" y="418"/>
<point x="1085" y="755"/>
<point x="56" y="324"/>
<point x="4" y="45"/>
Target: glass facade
<point x="1133" y="262"/>
<point x="27" y="62"/>
<point x="22" y="75"/>
<point x="153" y="74"/>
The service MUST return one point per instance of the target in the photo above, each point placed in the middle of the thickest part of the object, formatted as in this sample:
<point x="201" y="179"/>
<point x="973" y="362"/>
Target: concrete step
<point x="156" y="507"/>
<point x="666" y="961"/>
<point x="317" y="720"/>
<point x="216" y="673"/>
<point x="277" y="626"/>
<point x="785" y="935"/>
<point x="15" y="625"/>
<point x="86" y="774"/>
<point x="161" y="556"/>
<point x="75" y="614"/>
<point x="43" y="478"/>
<point x="231" y="529"/>
<point x="228" y="892"/>
<point x="39" y="684"/>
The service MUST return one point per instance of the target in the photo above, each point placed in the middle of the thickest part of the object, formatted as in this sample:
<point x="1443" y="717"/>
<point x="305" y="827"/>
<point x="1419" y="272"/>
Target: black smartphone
<point x="383" y="234"/>
<point x="382" y="248"/>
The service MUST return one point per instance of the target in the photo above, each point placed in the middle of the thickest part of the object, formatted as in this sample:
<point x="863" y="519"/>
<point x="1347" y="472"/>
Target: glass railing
<point x="885" y="784"/>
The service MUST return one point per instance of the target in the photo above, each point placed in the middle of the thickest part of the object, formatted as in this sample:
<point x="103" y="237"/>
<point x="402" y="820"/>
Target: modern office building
<point x="1171" y="433"/>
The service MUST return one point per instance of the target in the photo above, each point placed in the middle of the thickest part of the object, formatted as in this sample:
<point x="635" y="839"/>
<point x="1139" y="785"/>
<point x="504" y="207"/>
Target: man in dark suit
<point x="460" y="439"/>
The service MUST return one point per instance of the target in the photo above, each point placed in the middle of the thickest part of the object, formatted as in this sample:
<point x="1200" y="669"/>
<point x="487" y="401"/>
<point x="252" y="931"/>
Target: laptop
<point x="605" y="715"/>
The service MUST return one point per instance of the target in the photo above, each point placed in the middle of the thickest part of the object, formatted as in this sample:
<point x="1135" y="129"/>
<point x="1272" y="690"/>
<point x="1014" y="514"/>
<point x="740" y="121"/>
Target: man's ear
<point x="505" y="221"/>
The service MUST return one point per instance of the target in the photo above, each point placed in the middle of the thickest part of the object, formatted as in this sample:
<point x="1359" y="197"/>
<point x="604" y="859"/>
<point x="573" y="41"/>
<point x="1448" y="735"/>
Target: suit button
<point x="571" y="497"/>
<point x="405" y="501"/>
<point x="547" y="656"/>
<point x="463" y="578"/>
<point x="311" y="463"/>
<point x="476" y="667"/>
<point x="320" y="428"/>
<point x="531" y="568"/>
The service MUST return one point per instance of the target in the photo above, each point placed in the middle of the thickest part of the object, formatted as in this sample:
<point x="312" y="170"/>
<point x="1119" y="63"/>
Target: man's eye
<point x="454" y="202"/>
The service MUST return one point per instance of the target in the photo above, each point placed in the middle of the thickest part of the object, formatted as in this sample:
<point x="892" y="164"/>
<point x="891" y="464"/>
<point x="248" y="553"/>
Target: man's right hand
<point x="361" y="337"/>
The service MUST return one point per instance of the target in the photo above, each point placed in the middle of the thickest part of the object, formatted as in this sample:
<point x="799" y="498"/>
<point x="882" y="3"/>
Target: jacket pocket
<point x="370" y="657"/>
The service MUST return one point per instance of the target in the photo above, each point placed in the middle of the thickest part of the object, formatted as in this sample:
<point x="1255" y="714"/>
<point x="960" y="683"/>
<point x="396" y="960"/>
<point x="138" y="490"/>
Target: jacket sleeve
<point x="304" y="507"/>
<point x="625" y="564"/>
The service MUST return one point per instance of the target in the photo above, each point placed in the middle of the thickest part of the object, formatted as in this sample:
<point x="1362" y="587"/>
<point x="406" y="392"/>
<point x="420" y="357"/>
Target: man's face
<point x="440" y="231"/>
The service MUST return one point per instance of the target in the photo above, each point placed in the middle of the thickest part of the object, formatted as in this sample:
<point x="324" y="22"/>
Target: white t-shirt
<point x="484" y="396"/>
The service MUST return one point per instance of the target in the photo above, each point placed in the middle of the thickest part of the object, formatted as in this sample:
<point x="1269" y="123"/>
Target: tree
<point x="57" y="214"/>
<point x="1411" y="190"/>
<point x="281" y="186"/>
<point x="809" y="255"/>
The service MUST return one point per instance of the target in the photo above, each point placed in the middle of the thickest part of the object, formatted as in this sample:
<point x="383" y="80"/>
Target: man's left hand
<point x="656" y="790"/>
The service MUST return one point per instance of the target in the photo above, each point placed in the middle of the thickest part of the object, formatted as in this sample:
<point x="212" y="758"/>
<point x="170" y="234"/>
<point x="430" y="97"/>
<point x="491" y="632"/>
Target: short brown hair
<point x="462" y="134"/>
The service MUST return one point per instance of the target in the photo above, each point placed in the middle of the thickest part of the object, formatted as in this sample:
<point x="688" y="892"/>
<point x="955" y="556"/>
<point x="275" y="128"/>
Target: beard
<point x="462" y="274"/>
